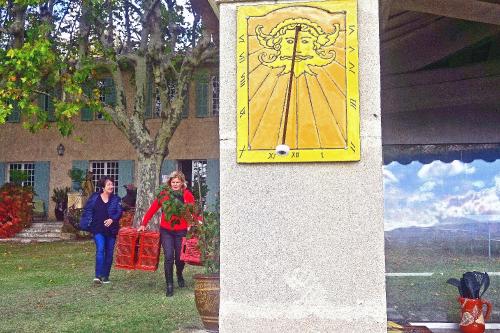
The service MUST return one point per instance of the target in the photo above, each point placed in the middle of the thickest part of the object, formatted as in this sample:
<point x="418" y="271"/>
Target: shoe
<point x="97" y="281"/>
<point x="105" y="280"/>
<point x="170" y="290"/>
<point x="180" y="279"/>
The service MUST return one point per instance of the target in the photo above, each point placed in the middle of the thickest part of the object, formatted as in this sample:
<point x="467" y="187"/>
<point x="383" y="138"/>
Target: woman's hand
<point x="141" y="228"/>
<point x="108" y="222"/>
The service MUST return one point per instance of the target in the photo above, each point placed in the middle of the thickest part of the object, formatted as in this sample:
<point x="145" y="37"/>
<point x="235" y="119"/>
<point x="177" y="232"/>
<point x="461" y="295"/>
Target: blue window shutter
<point x="202" y="96"/>
<point x="109" y="91"/>
<point x="15" y="115"/>
<point x="125" y="175"/>
<point x="2" y="173"/>
<point x="167" y="167"/>
<point x="50" y="107"/>
<point x="42" y="176"/>
<point x="82" y="165"/>
<point x="86" y="113"/>
<point x="213" y="182"/>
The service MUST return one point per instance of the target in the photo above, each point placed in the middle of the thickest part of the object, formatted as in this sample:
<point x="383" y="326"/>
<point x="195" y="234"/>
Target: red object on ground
<point x="149" y="251"/>
<point x="473" y="320"/>
<point x="190" y="253"/>
<point x="126" y="247"/>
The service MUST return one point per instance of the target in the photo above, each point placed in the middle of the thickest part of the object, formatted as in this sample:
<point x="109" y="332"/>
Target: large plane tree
<point x="57" y="48"/>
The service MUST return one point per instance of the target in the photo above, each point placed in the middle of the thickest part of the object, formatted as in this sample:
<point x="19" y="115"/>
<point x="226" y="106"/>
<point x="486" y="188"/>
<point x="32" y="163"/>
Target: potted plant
<point x="207" y="285"/>
<point x="18" y="177"/>
<point x="60" y="197"/>
<point x="77" y="176"/>
<point x="471" y="287"/>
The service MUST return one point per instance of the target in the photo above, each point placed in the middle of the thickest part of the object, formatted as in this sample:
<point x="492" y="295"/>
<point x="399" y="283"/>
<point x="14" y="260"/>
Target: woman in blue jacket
<point x="101" y="217"/>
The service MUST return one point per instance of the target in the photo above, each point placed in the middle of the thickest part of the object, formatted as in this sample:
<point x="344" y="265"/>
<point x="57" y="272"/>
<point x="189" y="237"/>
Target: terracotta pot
<point x="472" y="314"/>
<point x="206" y="296"/>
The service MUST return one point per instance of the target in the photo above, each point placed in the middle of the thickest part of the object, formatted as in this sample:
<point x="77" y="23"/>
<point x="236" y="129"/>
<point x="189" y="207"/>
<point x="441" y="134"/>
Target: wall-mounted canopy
<point x="425" y="154"/>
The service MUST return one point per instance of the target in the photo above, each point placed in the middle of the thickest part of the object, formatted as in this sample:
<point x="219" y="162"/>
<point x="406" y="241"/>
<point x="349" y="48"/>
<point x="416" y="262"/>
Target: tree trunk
<point x="147" y="180"/>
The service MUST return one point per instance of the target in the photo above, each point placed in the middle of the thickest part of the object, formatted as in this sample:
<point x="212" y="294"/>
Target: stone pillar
<point x="302" y="245"/>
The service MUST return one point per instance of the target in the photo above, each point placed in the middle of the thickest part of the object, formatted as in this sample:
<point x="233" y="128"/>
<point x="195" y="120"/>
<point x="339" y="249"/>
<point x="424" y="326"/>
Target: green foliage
<point x="18" y="176"/>
<point x="208" y="234"/>
<point x="77" y="175"/>
<point x="60" y="194"/>
<point x="173" y="206"/>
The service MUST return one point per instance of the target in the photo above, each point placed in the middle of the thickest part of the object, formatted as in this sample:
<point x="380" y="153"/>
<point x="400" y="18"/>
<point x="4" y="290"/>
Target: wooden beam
<point x="474" y="71"/>
<point x="393" y="32"/>
<point x="424" y="46"/>
<point x="385" y="11"/>
<point x="471" y="10"/>
<point x="441" y="89"/>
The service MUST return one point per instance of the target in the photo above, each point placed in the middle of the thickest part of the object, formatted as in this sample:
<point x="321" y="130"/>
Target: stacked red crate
<point x="126" y="247"/>
<point x="149" y="251"/>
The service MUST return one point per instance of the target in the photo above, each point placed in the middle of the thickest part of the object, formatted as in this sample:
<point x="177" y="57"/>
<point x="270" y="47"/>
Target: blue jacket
<point x="114" y="212"/>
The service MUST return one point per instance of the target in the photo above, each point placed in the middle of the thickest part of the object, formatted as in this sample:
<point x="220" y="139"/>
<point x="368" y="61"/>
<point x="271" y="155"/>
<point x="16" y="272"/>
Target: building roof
<point x="440" y="74"/>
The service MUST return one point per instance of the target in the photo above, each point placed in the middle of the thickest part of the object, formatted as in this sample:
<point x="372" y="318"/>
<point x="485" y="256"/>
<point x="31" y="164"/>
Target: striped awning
<point x="426" y="154"/>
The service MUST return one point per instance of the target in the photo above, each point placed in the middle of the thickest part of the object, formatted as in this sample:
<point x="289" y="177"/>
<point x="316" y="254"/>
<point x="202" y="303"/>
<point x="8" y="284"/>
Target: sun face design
<point x="312" y="46"/>
<point x="305" y="110"/>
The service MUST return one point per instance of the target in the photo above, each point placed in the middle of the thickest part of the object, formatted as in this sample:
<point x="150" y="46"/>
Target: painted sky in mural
<point x="439" y="193"/>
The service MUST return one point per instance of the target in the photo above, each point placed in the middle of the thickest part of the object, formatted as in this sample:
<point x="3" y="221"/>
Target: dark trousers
<point x="104" y="246"/>
<point x="171" y="242"/>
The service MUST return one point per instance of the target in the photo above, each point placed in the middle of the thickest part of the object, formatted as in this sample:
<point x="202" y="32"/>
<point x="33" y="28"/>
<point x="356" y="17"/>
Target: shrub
<point x="16" y="209"/>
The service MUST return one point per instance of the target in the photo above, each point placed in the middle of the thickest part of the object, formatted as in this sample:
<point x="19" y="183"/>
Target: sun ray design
<point x="336" y="83"/>
<point x="340" y="127"/>
<point x="254" y="69"/>
<point x="312" y="110"/>
<point x="252" y="94"/>
<point x="263" y="122"/>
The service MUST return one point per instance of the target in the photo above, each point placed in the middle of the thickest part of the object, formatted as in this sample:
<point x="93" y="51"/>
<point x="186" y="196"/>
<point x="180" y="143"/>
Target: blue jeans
<point x="104" y="246"/>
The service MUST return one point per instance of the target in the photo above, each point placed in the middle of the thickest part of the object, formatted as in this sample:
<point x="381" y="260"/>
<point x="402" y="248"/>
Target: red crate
<point x="126" y="247"/>
<point x="149" y="251"/>
<point x="190" y="253"/>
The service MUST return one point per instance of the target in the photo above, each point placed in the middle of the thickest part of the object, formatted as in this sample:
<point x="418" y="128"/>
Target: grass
<point x="431" y="298"/>
<point x="48" y="288"/>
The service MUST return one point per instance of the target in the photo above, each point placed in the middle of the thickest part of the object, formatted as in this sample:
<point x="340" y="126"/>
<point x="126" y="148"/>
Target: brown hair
<point x="102" y="182"/>
<point x="179" y="175"/>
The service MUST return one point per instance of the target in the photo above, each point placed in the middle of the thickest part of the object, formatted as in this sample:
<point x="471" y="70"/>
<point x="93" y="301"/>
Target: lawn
<point x="420" y="298"/>
<point x="47" y="287"/>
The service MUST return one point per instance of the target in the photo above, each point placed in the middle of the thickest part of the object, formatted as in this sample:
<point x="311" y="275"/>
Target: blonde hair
<point x="179" y="175"/>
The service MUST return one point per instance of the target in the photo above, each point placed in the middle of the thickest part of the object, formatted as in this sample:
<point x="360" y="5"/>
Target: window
<point x="101" y="86"/>
<point x="194" y="170"/>
<point x="29" y="168"/>
<point x="215" y="95"/>
<point x="15" y="115"/>
<point x="104" y="168"/>
<point x="107" y="95"/>
<point x="171" y="94"/>
<point x="45" y="103"/>
<point x="207" y="96"/>
<point x="441" y="220"/>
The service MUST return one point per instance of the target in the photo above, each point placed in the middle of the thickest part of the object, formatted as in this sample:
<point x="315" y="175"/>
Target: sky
<point x="425" y="195"/>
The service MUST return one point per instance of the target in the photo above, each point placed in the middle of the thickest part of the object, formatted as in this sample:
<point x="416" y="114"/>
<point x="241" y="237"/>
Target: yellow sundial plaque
<point x="297" y="82"/>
